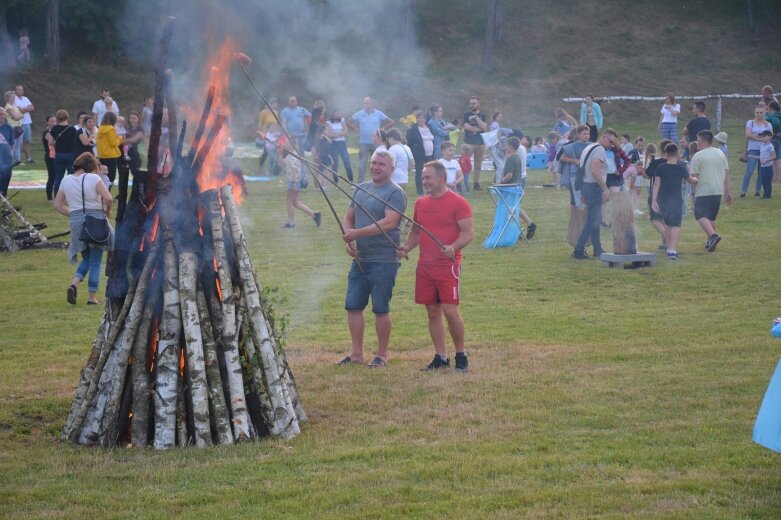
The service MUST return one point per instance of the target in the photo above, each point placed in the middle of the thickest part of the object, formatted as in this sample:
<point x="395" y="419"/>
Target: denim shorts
<point x="294" y="185"/>
<point x="375" y="280"/>
<point x="27" y="136"/>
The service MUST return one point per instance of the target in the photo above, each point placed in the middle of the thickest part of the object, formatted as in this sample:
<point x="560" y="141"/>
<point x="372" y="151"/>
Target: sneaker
<point x="662" y="247"/>
<point x="476" y="186"/>
<point x="742" y="195"/>
<point x="672" y="255"/>
<point x="462" y="363"/>
<point x="437" y="363"/>
<point x="639" y="212"/>
<point x="756" y="194"/>
<point x="579" y="255"/>
<point x="30" y="161"/>
<point x="318" y="218"/>
<point x="288" y="226"/>
<point x="16" y="163"/>
<point x="713" y="241"/>
<point x="530" y="230"/>
<point x="71" y="294"/>
<point x="597" y="254"/>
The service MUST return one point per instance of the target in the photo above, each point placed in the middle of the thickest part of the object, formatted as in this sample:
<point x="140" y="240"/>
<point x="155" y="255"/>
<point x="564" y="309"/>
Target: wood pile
<point x="187" y="351"/>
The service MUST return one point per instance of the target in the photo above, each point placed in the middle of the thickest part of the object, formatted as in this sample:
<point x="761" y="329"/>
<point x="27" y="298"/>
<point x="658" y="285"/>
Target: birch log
<point x="285" y="422"/>
<point x="196" y="367"/>
<point x="623" y="224"/>
<point x="112" y="380"/>
<point x="139" y="426"/>
<point x="230" y="338"/>
<point x="217" y="407"/>
<point x="86" y="373"/>
<point x="167" y="380"/>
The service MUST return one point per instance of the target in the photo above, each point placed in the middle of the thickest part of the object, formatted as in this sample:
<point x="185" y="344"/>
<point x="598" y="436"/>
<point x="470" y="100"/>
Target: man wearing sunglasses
<point x="595" y="191"/>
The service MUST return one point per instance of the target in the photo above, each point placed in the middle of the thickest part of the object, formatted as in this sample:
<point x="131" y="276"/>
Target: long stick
<point x="372" y="195"/>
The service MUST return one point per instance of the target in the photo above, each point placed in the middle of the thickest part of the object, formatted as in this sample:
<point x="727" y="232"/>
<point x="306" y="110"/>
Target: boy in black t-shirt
<point x="666" y="198"/>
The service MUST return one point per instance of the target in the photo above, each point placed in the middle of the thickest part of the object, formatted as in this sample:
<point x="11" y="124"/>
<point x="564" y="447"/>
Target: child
<point x="767" y="154"/>
<point x="104" y="176"/>
<point x="539" y="147"/>
<point x="666" y="198"/>
<point x="454" y="174"/>
<point x="119" y="126"/>
<point x="294" y="184"/>
<point x="514" y="172"/>
<point x="465" y="162"/>
<point x="721" y="138"/>
<point x="270" y="143"/>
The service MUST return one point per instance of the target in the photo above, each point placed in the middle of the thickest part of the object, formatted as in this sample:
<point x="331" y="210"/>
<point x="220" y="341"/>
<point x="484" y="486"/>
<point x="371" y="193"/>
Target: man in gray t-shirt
<point x="373" y="272"/>
<point x="594" y="162"/>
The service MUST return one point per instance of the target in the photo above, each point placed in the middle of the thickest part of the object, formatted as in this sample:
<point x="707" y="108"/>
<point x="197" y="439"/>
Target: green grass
<point x="593" y="392"/>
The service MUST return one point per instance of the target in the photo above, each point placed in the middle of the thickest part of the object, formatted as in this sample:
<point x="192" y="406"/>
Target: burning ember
<point x="187" y="351"/>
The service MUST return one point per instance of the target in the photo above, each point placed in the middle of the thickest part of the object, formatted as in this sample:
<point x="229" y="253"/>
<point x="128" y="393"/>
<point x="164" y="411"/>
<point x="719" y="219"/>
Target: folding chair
<point x="507" y="218"/>
<point x="537" y="161"/>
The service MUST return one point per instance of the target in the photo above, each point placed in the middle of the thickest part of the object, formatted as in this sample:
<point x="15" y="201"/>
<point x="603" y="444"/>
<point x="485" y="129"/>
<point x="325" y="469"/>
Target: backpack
<point x="581" y="171"/>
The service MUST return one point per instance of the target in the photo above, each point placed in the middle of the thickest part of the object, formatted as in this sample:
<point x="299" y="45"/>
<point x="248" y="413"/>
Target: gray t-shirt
<point x="377" y="248"/>
<point x="597" y="155"/>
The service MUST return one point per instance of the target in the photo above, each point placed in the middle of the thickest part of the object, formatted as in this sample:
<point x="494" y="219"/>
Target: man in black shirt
<point x="699" y="122"/>
<point x="475" y="124"/>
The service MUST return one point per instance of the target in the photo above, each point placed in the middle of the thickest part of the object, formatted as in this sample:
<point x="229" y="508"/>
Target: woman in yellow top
<point x="108" y="144"/>
<point x="13" y="116"/>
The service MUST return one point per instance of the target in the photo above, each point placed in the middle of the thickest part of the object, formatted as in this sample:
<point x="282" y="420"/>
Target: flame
<point x="152" y="346"/>
<point x="181" y="362"/>
<point x="218" y="169"/>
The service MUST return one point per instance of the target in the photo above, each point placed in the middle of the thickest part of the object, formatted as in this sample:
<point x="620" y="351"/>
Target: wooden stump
<point x="623" y="223"/>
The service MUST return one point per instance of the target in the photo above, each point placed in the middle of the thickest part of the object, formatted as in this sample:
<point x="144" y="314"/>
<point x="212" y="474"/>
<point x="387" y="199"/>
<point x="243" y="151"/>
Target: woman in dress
<point x="82" y="194"/>
<point x="668" y="119"/>
<point x="754" y="127"/>
<point x="336" y="130"/>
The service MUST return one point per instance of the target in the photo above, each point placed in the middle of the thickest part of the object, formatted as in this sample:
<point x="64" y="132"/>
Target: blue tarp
<point x="767" y="429"/>
<point x="506" y="230"/>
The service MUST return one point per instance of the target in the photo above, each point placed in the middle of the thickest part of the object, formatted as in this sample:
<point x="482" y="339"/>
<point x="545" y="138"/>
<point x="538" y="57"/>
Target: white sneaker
<point x="638" y="212"/>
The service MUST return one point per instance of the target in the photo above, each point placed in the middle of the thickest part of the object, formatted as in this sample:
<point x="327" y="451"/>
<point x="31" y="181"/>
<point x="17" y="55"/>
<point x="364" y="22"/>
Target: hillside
<point x="549" y="51"/>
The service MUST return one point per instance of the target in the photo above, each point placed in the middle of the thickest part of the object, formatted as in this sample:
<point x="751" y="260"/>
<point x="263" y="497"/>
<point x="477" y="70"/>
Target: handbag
<point x="18" y="131"/>
<point x="95" y="230"/>
<point x="304" y="182"/>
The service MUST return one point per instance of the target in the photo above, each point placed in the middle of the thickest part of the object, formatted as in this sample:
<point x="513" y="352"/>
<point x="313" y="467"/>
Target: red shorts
<point x="437" y="284"/>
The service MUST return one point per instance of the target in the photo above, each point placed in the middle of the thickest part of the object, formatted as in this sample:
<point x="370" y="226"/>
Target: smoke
<point x="340" y="51"/>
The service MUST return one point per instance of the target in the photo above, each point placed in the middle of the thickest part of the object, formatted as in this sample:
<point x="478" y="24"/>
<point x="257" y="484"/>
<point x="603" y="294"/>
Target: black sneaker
<point x="288" y="226"/>
<point x="713" y="241"/>
<point x="579" y="255"/>
<point x="318" y="218"/>
<point x="437" y="363"/>
<point x="462" y="363"/>
<point x="476" y="186"/>
<point x="30" y="161"/>
<point x="756" y="194"/>
<point x="530" y="230"/>
<point x="742" y="195"/>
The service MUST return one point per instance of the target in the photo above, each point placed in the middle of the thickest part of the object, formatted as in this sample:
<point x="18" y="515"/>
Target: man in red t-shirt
<point x="447" y="216"/>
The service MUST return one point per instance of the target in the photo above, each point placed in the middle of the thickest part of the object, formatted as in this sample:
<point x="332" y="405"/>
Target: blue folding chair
<point x="507" y="218"/>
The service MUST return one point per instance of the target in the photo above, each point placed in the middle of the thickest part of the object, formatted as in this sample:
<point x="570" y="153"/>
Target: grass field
<point x="593" y="392"/>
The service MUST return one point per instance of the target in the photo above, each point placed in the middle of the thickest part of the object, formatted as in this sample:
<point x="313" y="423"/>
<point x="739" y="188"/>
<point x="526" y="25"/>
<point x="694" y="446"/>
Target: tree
<point x="7" y="51"/>
<point x="53" y="34"/>
<point x="487" y="61"/>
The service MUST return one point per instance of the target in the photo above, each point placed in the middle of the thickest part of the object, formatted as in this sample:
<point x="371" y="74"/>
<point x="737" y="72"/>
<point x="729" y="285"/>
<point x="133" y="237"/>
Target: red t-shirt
<point x="440" y="216"/>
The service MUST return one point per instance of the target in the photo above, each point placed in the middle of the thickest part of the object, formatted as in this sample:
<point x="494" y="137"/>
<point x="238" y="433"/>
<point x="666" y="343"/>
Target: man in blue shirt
<point x="366" y="122"/>
<point x="293" y="119"/>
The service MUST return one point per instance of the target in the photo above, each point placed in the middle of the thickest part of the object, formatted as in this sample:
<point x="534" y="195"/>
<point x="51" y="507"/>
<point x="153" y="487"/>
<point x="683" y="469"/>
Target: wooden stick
<point x="172" y="114"/>
<point x="197" y="164"/>
<point x="207" y="107"/>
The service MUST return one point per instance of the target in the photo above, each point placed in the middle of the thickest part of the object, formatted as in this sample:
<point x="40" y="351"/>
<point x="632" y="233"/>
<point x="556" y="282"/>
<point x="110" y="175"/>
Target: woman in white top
<point x="82" y="194"/>
<point x="401" y="158"/>
<point x="668" y="120"/>
<point x="380" y="140"/>
<point x="754" y="127"/>
<point x="336" y="130"/>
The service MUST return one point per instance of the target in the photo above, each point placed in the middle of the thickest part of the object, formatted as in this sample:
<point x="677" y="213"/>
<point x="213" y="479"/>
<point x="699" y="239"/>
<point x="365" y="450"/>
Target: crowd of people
<point x="446" y="159"/>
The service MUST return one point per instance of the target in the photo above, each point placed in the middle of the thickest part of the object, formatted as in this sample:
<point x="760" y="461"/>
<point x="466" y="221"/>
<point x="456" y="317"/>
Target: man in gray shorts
<point x="373" y="272"/>
<point x="710" y="167"/>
